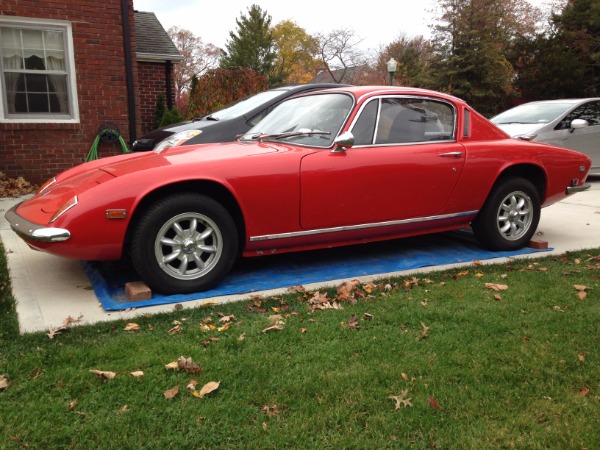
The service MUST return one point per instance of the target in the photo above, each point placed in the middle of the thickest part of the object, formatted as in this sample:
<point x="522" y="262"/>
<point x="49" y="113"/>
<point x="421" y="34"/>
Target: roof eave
<point x="157" y="57"/>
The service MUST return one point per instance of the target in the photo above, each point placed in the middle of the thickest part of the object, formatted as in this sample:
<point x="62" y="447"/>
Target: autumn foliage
<point x="219" y="87"/>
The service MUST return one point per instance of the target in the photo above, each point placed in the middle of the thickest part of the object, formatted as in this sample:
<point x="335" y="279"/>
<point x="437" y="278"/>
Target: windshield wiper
<point x="302" y="132"/>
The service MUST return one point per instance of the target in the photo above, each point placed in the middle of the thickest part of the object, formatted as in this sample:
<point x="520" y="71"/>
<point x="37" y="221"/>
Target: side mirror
<point x="578" y="123"/>
<point x="343" y="142"/>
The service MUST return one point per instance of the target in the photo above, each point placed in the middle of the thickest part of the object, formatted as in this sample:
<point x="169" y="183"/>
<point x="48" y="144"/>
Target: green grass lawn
<point x="492" y="356"/>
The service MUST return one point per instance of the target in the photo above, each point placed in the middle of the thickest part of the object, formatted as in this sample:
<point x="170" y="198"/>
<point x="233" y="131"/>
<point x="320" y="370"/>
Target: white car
<point x="568" y="123"/>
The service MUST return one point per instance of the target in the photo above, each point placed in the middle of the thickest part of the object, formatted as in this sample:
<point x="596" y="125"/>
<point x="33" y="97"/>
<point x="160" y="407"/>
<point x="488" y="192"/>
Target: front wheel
<point x="509" y="216"/>
<point x="184" y="243"/>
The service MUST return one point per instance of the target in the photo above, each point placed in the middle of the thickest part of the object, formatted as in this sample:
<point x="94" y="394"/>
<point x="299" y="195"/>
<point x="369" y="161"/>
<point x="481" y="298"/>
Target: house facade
<point x="68" y="67"/>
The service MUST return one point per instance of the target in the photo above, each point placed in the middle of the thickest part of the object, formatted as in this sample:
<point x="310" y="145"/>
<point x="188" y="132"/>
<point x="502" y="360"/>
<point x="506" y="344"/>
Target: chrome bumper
<point x="33" y="232"/>
<point x="575" y="189"/>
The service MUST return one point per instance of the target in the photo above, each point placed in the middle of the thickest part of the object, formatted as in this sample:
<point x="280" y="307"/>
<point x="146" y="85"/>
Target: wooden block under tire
<point x="538" y="244"/>
<point x="137" y="291"/>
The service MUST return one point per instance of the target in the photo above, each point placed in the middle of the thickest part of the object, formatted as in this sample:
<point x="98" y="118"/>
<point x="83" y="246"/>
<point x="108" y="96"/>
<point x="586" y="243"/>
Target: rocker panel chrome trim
<point x="295" y="234"/>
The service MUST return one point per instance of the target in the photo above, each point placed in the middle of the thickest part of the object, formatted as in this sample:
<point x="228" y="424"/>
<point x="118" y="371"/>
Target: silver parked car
<point x="569" y="123"/>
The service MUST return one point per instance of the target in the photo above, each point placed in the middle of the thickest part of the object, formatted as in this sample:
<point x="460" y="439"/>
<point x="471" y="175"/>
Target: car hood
<point x="185" y="156"/>
<point x="519" y="129"/>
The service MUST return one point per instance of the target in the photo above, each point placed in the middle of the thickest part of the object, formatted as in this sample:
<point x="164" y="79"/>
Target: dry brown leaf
<point x="496" y="287"/>
<point x="130" y="326"/>
<point x="434" y="404"/>
<point x="368" y="316"/>
<point x="404" y="376"/>
<point x="171" y="392"/>
<point x="401" y="400"/>
<point x="264" y="426"/>
<point x="191" y="386"/>
<point x="229" y="318"/>
<point x="303" y="330"/>
<point x="498" y="297"/>
<point x="172" y="366"/>
<point x="273" y="328"/>
<point x="580" y="287"/>
<point x="103" y="374"/>
<point x="581" y="295"/>
<point x="3" y="382"/>
<point x="224" y="327"/>
<point x="241" y="337"/>
<point x="209" y="387"/>
<point x="71" y="406"/>
<point x="176" y="329"/>
<point x="188" y="365"/>
<point x="123" y="409"/>
<point x="585" y="391"/>
<point x="558" y="309"/>
<point x="425" y="331"/>
<point x="352" y="322"/>
<point x="581" y="357"/>
<point x="55" y="332"/>
<point x="137" y="374"/>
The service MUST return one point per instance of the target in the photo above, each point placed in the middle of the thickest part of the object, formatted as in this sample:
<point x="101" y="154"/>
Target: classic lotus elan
<point x="337" y="167"/>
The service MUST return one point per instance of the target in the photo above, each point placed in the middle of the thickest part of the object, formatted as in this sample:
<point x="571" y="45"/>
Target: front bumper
<point x="575" y="189"/>
<point x="30" y="231"/>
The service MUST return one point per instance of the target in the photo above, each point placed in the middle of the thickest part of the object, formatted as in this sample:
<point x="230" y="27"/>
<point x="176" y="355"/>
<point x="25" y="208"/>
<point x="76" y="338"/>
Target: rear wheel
<point x="184" y="243"/>
<point x="509" y="216"/>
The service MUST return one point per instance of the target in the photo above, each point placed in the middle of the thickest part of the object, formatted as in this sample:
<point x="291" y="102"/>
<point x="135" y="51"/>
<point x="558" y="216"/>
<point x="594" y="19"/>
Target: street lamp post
<point x="392" y="65"/>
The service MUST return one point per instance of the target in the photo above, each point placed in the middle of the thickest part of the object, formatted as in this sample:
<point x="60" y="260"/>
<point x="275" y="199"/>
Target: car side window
<point x="589" y="111"/>
<point x="364" y="128"/>
<point x="410" y="120"/>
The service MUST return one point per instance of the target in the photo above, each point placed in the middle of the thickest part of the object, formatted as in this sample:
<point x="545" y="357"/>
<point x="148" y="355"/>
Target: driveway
<point x="48" y="289"/>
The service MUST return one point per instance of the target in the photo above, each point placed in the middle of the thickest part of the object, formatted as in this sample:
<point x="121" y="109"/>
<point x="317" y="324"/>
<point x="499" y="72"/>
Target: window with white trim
<point x="37" y="70"/>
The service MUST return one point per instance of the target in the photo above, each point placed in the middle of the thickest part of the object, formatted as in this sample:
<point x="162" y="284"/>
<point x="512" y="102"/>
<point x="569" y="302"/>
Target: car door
<point x="404" y="164"/>
<point x="585" y="140"/>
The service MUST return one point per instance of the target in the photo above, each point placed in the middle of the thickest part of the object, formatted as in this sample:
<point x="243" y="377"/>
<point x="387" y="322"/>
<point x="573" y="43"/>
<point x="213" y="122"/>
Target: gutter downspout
<point x="168" y="78"/>
<point x="128" y="69"/>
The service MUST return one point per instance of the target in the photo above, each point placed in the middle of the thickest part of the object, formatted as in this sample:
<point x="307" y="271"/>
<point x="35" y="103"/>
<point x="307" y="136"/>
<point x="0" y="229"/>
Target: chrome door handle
<point x="451" y="154"/>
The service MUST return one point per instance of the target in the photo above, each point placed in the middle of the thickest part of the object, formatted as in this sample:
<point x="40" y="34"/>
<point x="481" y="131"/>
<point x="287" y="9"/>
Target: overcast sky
<point x="374" y="21"/>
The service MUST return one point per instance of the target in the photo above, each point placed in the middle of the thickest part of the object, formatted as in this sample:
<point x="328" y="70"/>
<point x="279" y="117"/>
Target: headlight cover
<point x="177" y="139"/>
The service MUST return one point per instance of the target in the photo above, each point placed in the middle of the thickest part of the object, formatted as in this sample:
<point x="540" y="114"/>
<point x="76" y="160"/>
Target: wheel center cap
<point x="189" y="246"/>
<point x="514" y="215"/>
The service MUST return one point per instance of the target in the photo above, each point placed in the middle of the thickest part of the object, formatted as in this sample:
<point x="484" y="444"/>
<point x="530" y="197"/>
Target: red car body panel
<point x="295" y="197"/>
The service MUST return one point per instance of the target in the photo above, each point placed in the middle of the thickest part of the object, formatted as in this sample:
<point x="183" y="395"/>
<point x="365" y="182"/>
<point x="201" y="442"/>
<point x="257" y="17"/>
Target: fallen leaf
<point x="404" y="376"/>
<point x="172" y="366"/>
<point x="584" y="392"/>
<point x="188" y="365"/>
<point x="581" y="357"/>
<point x="352" y="322"/>
<point x="434" y="404"/>
<point x="176" y="329"/>
<point x="71" y="406"/>
<point x="137" y="374"/>
<point x="558" y="308"/>
<point x="103" y="374"/>
<point x="303" y="330"/>
<point x="224" y="327"/>
<point x="424" y="334"/>
<point x="191" y="386"/>
<point x="55" y="332"/>
<point x="131" y="327"/>
<point x="271" y="410"/>
<point x="209" y="387"/>
<point x="273" y="328"/>
<point x="581" y="295"/>
<point x="3" y="382"/>
<point x="368" y="316"/>
<point x="35" y="373"/>
<point x="264" y="426"/>
<point x="498" y="297"/>
<point x="123" y="409"/>
<point x="241" y="337"/>
<point x="496" y="287"/>
<point x="401" y="400"/>
<point x="171" y="392"/>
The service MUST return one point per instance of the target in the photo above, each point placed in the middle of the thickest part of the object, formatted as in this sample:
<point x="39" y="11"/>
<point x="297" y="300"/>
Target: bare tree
<point x="198" y="57"/>
<point x="340" y="54"/>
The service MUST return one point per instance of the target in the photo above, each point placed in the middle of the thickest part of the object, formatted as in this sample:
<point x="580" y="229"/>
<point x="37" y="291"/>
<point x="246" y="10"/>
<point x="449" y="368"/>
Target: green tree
<point x="251" y="46"/>
<point x="578" y="27"/>
<point x="471" y="42"/>
<point x="414" y="60"/>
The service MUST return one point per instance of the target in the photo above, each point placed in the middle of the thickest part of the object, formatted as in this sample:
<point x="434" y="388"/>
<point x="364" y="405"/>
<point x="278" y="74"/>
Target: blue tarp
<point x="285" y="270"/>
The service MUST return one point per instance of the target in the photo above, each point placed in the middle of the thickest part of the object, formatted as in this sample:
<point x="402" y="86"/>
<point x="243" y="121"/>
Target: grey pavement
<point x="48" y="289"/>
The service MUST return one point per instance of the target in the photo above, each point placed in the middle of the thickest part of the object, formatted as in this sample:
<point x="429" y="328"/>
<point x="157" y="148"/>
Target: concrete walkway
<point x="48" y="289"/>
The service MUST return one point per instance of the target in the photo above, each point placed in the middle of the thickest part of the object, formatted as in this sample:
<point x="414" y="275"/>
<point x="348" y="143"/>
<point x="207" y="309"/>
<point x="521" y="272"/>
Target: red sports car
<point x="336" y="167"/>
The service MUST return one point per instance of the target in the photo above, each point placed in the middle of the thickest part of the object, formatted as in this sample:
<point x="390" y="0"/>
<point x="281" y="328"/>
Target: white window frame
<point x="43" y="24"/>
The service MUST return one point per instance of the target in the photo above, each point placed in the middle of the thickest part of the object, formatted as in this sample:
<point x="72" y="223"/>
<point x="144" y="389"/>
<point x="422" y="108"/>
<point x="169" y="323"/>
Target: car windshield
<point x="532" y="113"/>
<point x="242" y="107"/>
<point x="310" y="120"/>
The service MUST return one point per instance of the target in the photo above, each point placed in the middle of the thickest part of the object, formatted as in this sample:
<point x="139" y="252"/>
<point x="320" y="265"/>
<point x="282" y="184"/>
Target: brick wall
<point x="38" y="151"/>
<point x="152" y="81"/>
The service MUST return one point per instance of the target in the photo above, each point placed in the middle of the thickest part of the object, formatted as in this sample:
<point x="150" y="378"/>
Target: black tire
<point x="184" y="243"/>
<point x="509" y="216"/>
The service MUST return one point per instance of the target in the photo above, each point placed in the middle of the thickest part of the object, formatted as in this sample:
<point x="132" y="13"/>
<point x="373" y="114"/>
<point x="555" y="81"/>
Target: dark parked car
<point x="225" y="124"/>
